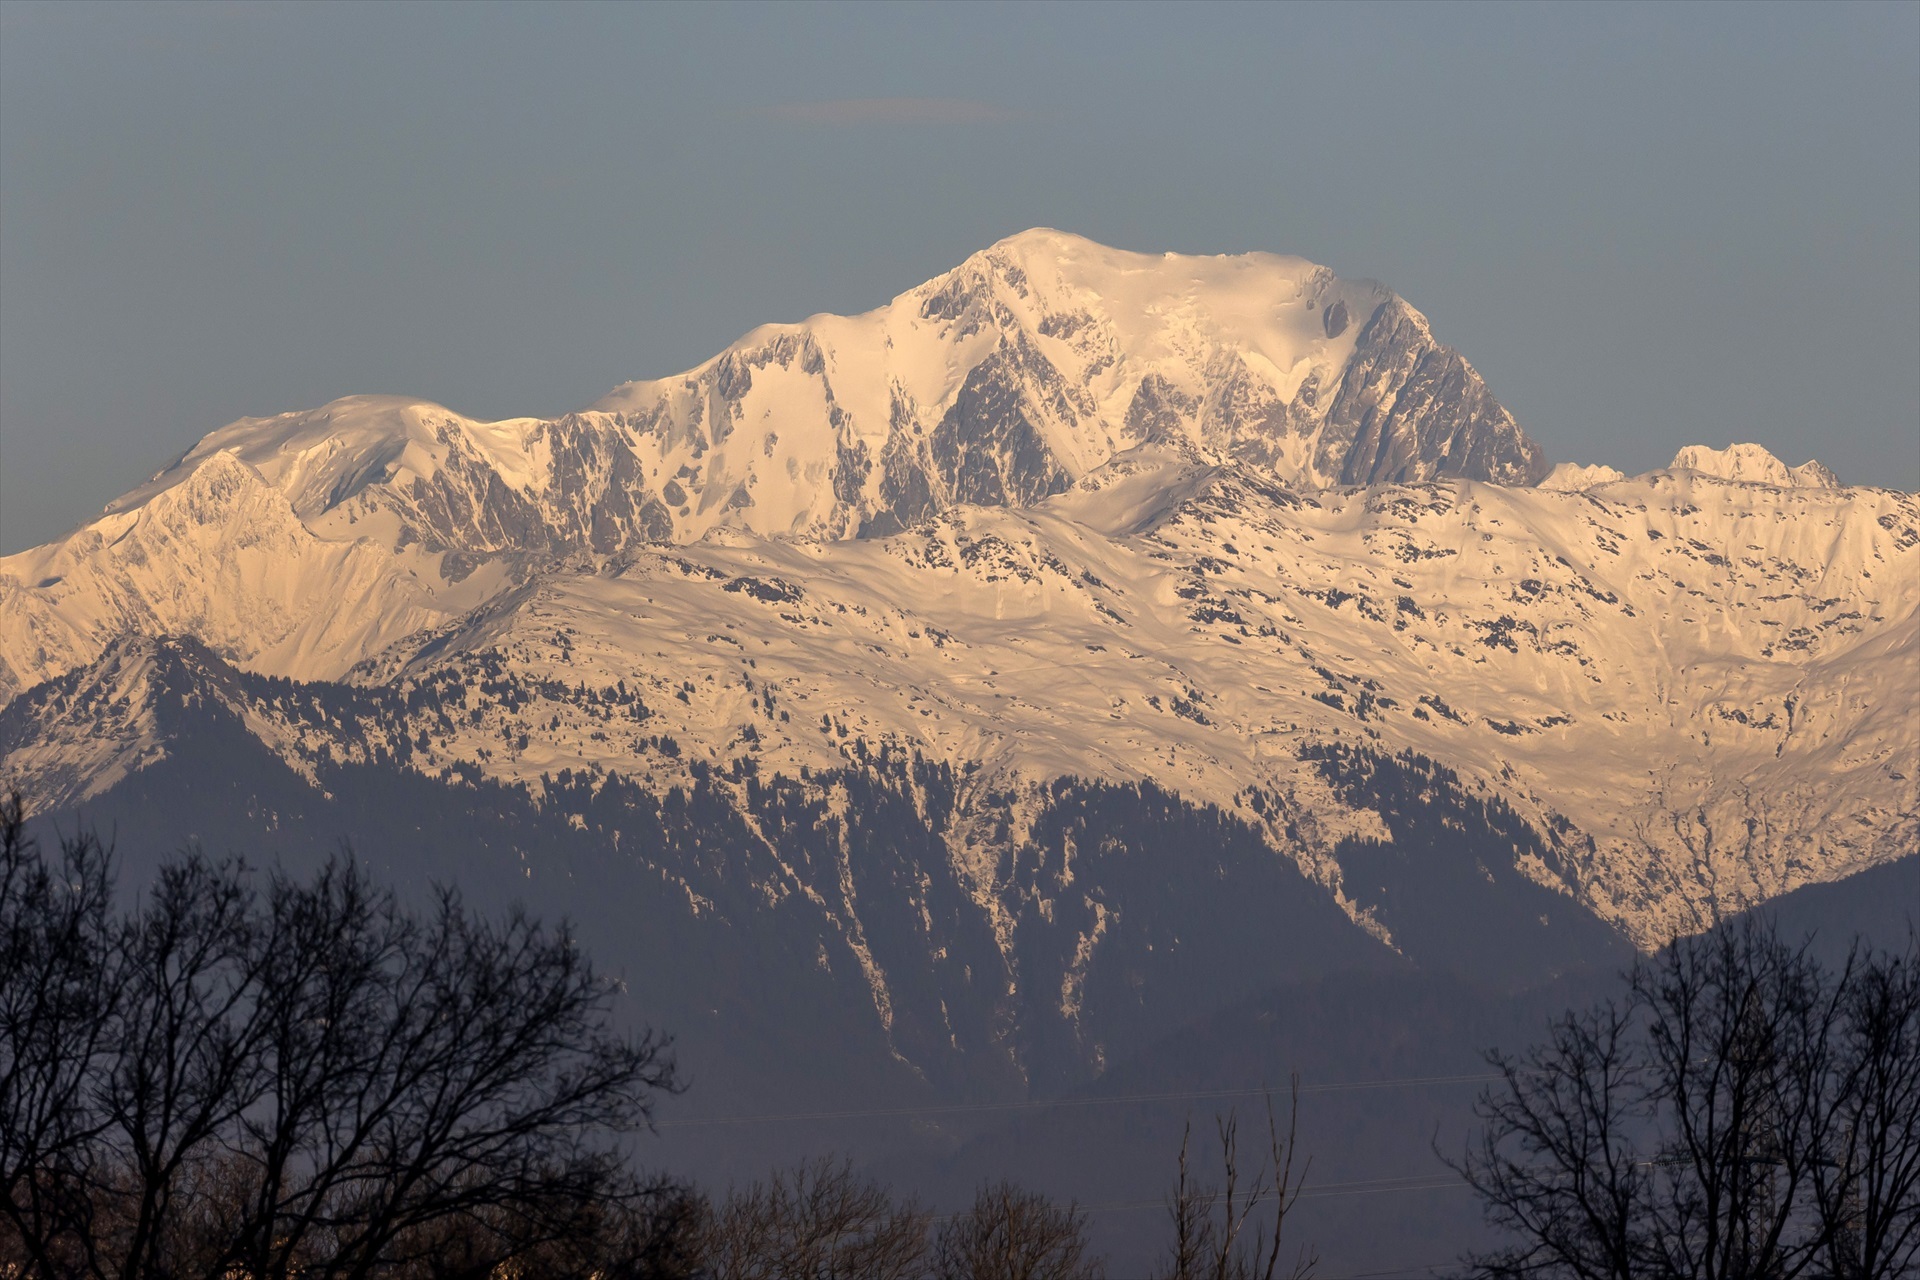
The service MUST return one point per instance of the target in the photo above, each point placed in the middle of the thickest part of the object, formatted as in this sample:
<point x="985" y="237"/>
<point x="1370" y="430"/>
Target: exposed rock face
<point x="988" y="449"/>
<point x="1410" y="409"/>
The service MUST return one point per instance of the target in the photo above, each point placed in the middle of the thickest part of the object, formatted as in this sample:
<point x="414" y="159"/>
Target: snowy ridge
<point x="1572" y="477"/>
<point x="1697" y="688"/>
<point x="1753" y="465"/>
<point x="1699" y="685"/>
<point x="221" y="556"/>
<point x="1032" y="364"/>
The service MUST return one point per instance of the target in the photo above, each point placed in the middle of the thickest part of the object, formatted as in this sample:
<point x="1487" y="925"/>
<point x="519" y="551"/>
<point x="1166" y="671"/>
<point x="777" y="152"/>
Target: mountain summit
<point x="1753" y="464"/>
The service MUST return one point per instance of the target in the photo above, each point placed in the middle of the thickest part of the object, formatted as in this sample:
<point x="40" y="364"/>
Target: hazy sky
<point x="1647" y="226"/>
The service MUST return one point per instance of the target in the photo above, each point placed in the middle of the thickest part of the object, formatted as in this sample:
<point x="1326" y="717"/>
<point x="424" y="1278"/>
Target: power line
<point x="1365" y="1187"/>
<point x="961" y="1108"/>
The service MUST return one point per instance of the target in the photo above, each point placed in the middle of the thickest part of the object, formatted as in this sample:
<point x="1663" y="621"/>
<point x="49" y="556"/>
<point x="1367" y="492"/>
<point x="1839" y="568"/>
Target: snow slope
<point x="1700" y="689"/>
<point x="1703" y="688"/>
<point x="224" y="557"/>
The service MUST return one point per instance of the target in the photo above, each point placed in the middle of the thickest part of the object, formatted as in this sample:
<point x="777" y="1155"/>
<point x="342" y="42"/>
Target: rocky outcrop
<point x="990" y="449"/>
<point x="1410" y="409"/>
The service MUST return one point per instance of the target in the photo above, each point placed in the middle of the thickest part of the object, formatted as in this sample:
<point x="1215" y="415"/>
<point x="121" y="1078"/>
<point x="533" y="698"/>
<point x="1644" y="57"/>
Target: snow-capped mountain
<point x="1752" y="463"/>
<point x="1574" y="476"/>
<point x="1002" y="382"/>
<point x="1059" y="534"/>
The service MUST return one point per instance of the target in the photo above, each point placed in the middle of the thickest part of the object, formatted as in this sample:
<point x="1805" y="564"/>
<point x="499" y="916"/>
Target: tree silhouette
<point x="310" y="1078"/>
<point x="1742" y="1112"/>
<point x="1212" y="1239"/>
<point x="1015" y="1234"/>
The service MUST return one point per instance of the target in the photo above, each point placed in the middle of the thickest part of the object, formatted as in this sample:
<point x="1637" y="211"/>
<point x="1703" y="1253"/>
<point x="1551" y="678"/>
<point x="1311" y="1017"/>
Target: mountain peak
<point x="1000" y="383"/>
<point x="1753" y="464"/>
<point x="1045" y="240"/>
<point x="1057" y="262"/>
<point x="1576" y="477"/>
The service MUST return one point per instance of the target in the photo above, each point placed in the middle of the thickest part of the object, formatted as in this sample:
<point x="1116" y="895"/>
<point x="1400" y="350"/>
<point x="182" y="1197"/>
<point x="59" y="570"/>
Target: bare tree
<point x="1015" y="1234"/>
<point x="425" y="1070"/>
<point x="58" y="1003"/>
<point x="1867" y="1185"/>
<point x="185" y="1064"/>
<point x="1743" y="1112"/>
<point x="1213" y="1224"/>
<point x="815" y="1221"/>
<point x="1558" y="1163"/>
<point x="315" y="1080"/>
<point x="618" y="1238"/>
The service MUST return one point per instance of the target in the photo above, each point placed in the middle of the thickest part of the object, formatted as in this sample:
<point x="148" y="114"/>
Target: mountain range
<point x="956" y="699"/>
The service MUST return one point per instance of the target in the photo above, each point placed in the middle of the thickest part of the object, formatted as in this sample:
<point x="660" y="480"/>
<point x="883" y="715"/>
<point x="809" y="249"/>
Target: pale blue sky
<point x="1646" y="225"/>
